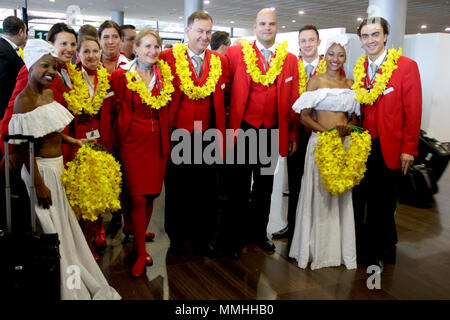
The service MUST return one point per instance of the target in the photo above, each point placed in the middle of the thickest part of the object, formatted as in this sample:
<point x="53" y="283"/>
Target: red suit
<point x="394" y="124"/>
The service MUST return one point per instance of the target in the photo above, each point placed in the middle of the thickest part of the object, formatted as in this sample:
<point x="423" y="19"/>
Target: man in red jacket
<point x="258" y="105"/>
<point x="391" y="110"/>
<point x="197" y="105"/>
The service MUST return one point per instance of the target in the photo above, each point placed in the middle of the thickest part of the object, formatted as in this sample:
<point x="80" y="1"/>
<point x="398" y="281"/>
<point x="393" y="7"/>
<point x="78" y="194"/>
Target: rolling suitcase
<point x="30" y="266"/>
<point x="433" y="154"/>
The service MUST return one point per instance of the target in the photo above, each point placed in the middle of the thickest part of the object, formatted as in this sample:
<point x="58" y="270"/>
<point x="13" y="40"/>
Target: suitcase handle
<point x="30" y="140"/>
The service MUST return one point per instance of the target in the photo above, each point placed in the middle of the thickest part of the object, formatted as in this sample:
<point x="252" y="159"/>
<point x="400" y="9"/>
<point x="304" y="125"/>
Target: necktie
<point x="373" y="69"/>
<point x="198" y="65"/>
<point x="309" y="69"/>
<point x="267" y="54"/>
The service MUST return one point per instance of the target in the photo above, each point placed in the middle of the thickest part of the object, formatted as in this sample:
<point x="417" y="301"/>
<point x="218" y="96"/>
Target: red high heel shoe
<point x="100" y="238"/>
<point x="148" y="260"/>
<point x="149" y="236"/>
<point x="138" y="269"/>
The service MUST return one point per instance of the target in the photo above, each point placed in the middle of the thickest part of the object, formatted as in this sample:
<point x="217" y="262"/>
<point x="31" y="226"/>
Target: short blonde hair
<point x="145" y="32"/>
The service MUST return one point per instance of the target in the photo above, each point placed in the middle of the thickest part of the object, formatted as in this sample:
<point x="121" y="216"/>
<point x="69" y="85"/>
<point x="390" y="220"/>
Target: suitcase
<point x="30" y="266"/>
<point x="433" y="154"/>
<point x="417" y="186"/>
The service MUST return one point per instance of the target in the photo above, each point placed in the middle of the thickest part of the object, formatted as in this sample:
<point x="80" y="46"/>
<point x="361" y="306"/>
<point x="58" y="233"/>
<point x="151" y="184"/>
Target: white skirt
<point x="81" y="277"/>
<point x="324" y="226"/>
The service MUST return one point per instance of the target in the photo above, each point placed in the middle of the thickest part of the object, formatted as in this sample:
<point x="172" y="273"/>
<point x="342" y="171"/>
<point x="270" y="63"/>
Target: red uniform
<point x="142" y="136"/>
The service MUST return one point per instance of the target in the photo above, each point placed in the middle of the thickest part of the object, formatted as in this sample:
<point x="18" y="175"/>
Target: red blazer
<point x="217" y="95"/>
<point x="398" y="113"/>
<point x="121" y="106"/>
<point x="287" y="93"/>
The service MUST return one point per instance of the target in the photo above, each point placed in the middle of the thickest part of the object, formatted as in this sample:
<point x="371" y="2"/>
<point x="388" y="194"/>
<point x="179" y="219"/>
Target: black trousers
<point x="295" y="166"/>
<point x="191" y="200"/>
<point x="375" y="202"/>
<point x="248" y="205"/>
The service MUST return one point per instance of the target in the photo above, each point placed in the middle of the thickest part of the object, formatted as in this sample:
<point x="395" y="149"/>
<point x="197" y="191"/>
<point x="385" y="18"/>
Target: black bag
<point x="30" y="265"/>
<point x="418" y="185"/>
<point x="433" y="154"/>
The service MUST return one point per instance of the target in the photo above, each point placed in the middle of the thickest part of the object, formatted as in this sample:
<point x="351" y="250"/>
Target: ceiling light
<point x="180" y="17"/>
<point x="424" y="26"/>
<point x="301" y="12"/>
<point x="206" y="11"/>
<point x="359" y="19"/>
<point x="206" y="2"/>
<point x="283" y="27"/>
<point x="231" y="21"/>
<point x="294" y="21"/>
<point x="273" y="9"/>
<point x="52" y="0"/>
<point x="447" y="29"/>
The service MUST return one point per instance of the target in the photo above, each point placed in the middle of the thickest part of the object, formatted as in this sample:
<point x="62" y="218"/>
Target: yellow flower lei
<point x="276" y="64"/>
<point x="78" y="99"/>
<point x="341" y="170"/>
<point x="303" y="77"/>
<point x="381" y="80"/>
<point x="187" y="86"/>
<point x="92" y="182"/>
<point x="156" y="102"/>
<point x="21" y="53"/>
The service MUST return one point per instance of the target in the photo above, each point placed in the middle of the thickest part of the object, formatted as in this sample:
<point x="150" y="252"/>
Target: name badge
<point x="109" y="94"/>
<point x="388" y="90"/>
<point x="94" y="134"/>
<point x="223" y="86"/>
<point x="288" y="79"/>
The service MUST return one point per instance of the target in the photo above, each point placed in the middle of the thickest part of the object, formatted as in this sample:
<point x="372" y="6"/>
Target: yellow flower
<point x="187" y="85"/>
<point x="381" y="80"/>
<point x="156" y="102"/>
<point x="341" y="170"/>
<point x="276" y="64"/>
<point x="302" y="76"/>
<point x="92" y="182"/>
<point x="78" y="99"/>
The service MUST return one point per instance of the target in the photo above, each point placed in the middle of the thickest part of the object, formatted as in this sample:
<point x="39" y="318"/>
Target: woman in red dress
<point x="110" y="36"/>
<point x="90" y="84"/>
<point x="142" y="131"/>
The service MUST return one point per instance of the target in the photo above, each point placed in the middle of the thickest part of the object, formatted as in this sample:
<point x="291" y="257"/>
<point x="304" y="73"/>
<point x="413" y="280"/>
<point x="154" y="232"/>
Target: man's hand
<point x="292" y="147"/>
<point x="406" y="161"/>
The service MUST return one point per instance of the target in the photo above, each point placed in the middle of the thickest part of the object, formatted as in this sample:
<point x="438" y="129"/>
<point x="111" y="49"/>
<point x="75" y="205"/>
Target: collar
<point x="191" y="54"/>
<point x="89" y="71"/>
<point x="13" y="45"/>
<point x="380" y="59"/>
<point x="314" y="63"/>
<point x="261" y="47"/>
<point x="132" y="68"/>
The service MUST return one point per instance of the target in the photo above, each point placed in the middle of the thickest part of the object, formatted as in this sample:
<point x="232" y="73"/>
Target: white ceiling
<point x="322" y="13"/>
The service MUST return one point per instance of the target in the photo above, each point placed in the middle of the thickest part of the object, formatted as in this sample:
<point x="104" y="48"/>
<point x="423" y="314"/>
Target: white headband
<point x="340" y="39"/>
<point x="36" y="49"/>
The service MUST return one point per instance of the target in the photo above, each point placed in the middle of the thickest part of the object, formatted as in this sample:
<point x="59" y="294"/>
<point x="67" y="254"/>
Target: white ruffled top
<point x="43" y="120"/>
<point x="328" y="99"/>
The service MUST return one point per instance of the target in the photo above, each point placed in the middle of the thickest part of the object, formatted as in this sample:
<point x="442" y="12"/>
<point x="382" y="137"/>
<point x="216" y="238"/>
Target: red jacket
<point x="398" y="113"/>
<point x="287" y="94"/>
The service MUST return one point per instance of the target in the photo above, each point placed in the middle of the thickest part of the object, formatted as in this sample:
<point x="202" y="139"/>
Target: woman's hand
<point x="344" y="130"/>
<point x="44" y="196"/>
<point x="80" y="142"/>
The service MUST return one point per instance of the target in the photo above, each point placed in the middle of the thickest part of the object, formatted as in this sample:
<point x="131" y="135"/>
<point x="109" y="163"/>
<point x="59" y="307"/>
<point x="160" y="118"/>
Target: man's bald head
<point x="266" y="27"/>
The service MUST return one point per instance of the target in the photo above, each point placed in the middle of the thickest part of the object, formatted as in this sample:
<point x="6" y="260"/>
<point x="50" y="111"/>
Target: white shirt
<point x="13" y="45"/>
<point x="378" y="62"/>
<point x="191" y="54"/>
<point x="314" y="63"/>
<point x="261" y="48"/>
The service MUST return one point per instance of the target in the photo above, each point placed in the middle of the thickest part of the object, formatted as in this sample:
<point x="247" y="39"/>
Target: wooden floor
<point x="422" y="270"/>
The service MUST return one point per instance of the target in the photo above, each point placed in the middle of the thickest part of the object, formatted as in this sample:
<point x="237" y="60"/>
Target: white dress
<point x="324" y="231"/>
<point x="81" y="277"/>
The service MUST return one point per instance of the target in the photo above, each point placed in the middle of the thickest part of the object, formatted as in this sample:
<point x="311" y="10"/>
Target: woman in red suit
<point x="142" y="90"/>
<point x="110" y="36"/>
<point x="90" y="84"/>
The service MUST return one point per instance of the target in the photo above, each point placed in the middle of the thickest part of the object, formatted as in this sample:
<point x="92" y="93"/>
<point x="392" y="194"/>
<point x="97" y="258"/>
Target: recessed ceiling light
<point x="273" y="9"/>
<point x="447" y="29"/>
<point x="283" y="27"/>
<point x="294" y="21"/>
<point x="231" y="21"/>
<point x="206" y="2"/>
<point x="52" y="0"/>
<point x="301" y="12"/>
<point x="180" y="17"/>
<point x="359" y="19"/>
<point x="424" y="26"/>
<point x="419" y="33"/>
<point x="206" y="11"/>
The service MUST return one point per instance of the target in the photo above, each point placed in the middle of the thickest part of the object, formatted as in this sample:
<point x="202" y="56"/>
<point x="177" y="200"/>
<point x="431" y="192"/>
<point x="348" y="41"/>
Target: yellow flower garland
<point x="21" y="53"/>
<point x="156" y="102"/>
<point x="303" y="77"/>
<point x="341" y="170"/>
<point x="276" y="65"/>
<point x="92" y="182"/>
<point x="78" y="99"/>
<point x="187" y="86"/>
<point x="381" y="80"/>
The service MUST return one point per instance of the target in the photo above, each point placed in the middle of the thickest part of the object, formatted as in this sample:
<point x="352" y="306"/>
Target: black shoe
<point x="177" y="248"/>
<point x="283" y="233"/>
<point x="390" y="255"/>
<point x="210" y="251"/>
<point x="234" y="253"/>
<point x="266" y="245"/>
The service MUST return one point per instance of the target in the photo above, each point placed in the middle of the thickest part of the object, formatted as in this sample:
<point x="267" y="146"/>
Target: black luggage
<point x="30" y="266"/>
<point x="418" y="186"/>
<point x="433" y="154"/>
